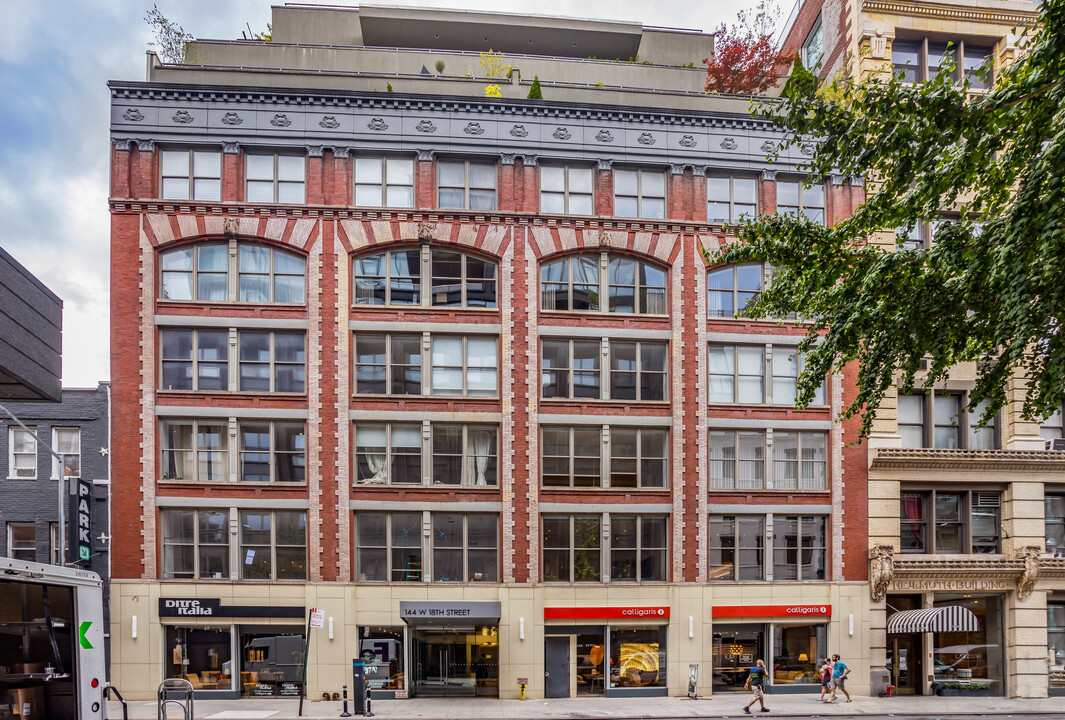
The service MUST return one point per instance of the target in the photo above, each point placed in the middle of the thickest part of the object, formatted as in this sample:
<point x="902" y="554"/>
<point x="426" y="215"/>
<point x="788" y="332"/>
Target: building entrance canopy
<point x="949" y="618"/>
<point x="416" y="612"/>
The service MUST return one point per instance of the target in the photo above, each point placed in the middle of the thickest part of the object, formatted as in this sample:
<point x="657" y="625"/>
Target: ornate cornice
<point x="954" y="13"/>
<point x="936" y="569"/>
<point x="930" y="459"/>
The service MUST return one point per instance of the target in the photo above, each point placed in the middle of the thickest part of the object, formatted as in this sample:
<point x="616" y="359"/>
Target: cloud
<point x="55" y="60"/>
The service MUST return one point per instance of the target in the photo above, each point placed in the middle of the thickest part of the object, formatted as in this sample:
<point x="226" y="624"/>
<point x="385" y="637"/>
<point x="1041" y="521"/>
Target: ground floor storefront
<point x="239" y="640"/>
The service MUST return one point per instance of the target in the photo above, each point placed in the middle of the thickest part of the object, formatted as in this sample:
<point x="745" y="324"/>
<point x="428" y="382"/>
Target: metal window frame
<point x="566" y="167"/>
<point x="571" y="455"/>
<point x="570" y="370"/>
<point x="736" y="374"/>
<point x="736" y="546"/>
<point x="465" y="366"/>
<point x="731" y="200"/>
<point x="58" y="470"/>
<point x="800" y="520"/>
<point x="964" y="421"/>
<point x="192" y="176"/>
<point x="12" y="453"/>
<point x="800" y="209"/>
<point x="273" y="545"/>
<point x="612" y="342"/>
<point x="388" y="547"/>
<point x="964" y="523"/>
<point x="232" y="273"/>
<point x="425" y="279"/>
<point x="799" y="463"/>
<point x="765" y="273"/>
<point x="767" y="465"/>
<point x="571" y="521"/>
<point x="195" y="361"/>
<point x="196" y="544"/>
<point x="272" y="363"/>
<point x="11" y="549"/>
<point x="276" y="179"/>
<point x="608" y="522"/>
<point x="384" y="184"/>
<point x="603" y="284"/>
<point x="273" y="451"/>
<point x="640" y="195"/>
<point x="271" y="275"/>
<point x="818" y="27"/>
<point x="466" y="184"/>
<point x="609" y="456"/>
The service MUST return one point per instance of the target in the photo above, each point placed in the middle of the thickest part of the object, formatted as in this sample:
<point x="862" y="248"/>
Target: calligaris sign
<point x="609" y="613"/>
<point x="735" y="611"/>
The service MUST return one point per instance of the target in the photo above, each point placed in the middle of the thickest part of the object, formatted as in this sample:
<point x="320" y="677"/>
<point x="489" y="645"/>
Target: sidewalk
<point x="719" y="706"/>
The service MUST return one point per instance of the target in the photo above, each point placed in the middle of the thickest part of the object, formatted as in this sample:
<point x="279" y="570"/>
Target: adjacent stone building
<point x="959" y="516"/>
<point x="454" y="369"/>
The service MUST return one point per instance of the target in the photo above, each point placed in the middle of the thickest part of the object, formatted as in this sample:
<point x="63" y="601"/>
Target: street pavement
<point x="721" y="705"/>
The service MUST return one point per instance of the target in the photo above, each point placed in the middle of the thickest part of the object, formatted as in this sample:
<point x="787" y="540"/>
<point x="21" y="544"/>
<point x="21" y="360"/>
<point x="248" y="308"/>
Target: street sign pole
<point x="303" y="665"/>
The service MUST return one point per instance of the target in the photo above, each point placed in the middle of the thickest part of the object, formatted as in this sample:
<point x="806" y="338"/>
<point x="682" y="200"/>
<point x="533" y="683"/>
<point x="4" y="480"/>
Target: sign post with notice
<point x="316" y="620"/>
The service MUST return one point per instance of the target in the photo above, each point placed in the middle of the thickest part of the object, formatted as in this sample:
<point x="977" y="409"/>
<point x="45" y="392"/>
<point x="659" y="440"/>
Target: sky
<point x="56" y="57"/>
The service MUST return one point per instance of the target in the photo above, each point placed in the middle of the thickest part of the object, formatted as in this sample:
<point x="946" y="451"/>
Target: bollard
<point x="345" y="713"/>
<point x="369" y="699"/>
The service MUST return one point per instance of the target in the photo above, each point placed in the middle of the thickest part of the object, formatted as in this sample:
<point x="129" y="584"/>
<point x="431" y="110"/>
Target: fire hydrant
<point x="522" y="686"/>
<point x="890" y="688"/>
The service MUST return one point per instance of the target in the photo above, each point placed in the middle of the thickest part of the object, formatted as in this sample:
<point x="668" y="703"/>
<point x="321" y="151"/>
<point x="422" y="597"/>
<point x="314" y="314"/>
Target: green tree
<point x="992" y="287"/>
<point x="171" y="40"/>
<point x="534" y="92"/>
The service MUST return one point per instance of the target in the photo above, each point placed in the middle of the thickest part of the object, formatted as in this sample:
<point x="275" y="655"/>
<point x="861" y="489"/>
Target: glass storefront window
<point x="638" y="657"/>
<point x="381" y="648"/>
<point x="1056" y="643"/>
<point x="203" y="656"/>
<point x="973" y="656"/>
<point x="797" y="648"/>
<point x="591" y="652"/>
<point x="735" y="650"/>
<point x="271" y="660"/>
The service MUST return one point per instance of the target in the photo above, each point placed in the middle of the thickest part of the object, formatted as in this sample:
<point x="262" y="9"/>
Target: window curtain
<point x="480" y="444"/>
<point x="911" y="511"/>
<point x="370" y="443"/>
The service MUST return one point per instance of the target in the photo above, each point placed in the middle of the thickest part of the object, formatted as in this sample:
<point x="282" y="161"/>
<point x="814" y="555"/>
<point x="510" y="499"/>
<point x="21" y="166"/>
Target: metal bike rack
<point x="110" y="690"/>
<point x="174" y="691"/>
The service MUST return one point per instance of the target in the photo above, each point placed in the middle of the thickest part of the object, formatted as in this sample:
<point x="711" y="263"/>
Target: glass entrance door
<point x="456" y="662"/>
<point x="736" y="648"/>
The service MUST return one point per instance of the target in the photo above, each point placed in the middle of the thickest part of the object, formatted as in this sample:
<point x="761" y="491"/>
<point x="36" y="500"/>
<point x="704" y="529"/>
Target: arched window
<point x="579" y="282"/>
<point x="263" y="274"/>
<point x="432" y="277"/>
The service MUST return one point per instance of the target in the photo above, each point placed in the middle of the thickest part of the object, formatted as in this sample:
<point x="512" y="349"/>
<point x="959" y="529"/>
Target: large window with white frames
<point x="454" y="365"/>
<point x="579" y="282"/>
<point x="640" y="194"/>
<point x="261" y="274"/>
<point x="739" y="460"/>
<point x="274" y="178"/>
<point x="191" y="175"/>
<point x="796" y="198"/>
<point x="466" y="185"/>
<point x="566" y="189"/>
<point x="730" y="289"/>
<point x="731" y="198"/>
<point x="434" y="277"/>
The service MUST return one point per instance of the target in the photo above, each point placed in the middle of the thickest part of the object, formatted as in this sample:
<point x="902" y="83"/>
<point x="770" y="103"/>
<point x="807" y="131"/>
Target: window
<point x="1054" y="426"/>
<point x="572" y="548"/>
<point x="195" y="544"/>
<point x="389" y="546"/>
<point x="730" y="289"/>
<point x="640" y="194"/>
<point x="1054" y="514"/>
<point x="388" y="364"/>
<point x="737" y="460"/>
<point x="787" y="366"/>
<point x="737" y="374"/>
<point x="574" y="283"/>
<point x="273" y="362"/>
<point x="195" y="359"/>
<point x="572" y="456"/>
<point x="466" y="185"/>
<point x="389" y="453"/>
<point x="460" y="454"/>
<point x="195" y="451"/>
<point x="737" y="547"/>
<point x="800" y="460"/>
<point x="942" y="420"/>
<point x="798" y="547"/>
<point x="384" y="182"/>
<point x="191" y="175"/>
<point x="455" y="279"/>
<point x="729" y="199"/>
<point x="638" y="548"/>
<point x="465" y="547"/>
<point x="813" y="50"/>
<point x="566" y="189"/>
<point x="949" y="522"/>
<point x="273" y="545"/>
<point x="273" y="452"/>
<point x="638" y="457"/>
<point x="22" y="462"/>
<point x="570" y="368"/>
<point x="465" y="366"/>
<point x="53" y="543"/>
<point x="465" y="455"/>
<point x="637" y="370"/>
<point x="794" y="198"/>
<point x="22" y="541"/>
<point x="275" y="179"/>
<point x="202" y="273"/>
<point x="918" y="60"/>
<point x="66" y="442"/>
<point x="462" y="547"/>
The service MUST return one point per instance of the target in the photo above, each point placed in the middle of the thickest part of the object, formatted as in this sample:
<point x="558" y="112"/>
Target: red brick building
<point x="455" y="370"/>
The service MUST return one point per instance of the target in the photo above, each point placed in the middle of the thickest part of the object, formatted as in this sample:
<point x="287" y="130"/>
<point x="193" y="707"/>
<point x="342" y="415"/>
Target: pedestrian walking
<point x="840" y="671"/>
<point x="826" y="678"/>
<point x="755" y="681"/>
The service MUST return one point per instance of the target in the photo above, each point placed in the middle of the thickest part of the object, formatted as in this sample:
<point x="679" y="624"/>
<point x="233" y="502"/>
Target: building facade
<point x="959" y="516"/>
<point x="77" y="427"/>
<point x="455" y="371"/>
<point x="31" y="335"/>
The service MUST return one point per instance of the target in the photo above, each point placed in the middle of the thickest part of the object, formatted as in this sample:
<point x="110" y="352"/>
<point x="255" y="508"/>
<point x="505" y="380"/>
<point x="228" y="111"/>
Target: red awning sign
<point x="606" y="613"/>
<point x="790" y="611"/>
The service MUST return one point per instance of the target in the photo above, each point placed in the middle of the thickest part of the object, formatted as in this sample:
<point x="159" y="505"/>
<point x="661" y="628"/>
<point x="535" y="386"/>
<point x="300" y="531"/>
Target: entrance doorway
<point x="905" y="663"/>
<point x="736" y="647"/>
<point x="456" y="662"/>
<point x="556" y="667"/>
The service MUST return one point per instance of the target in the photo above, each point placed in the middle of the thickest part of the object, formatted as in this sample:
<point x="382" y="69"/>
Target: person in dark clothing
<point x="755" y="682"/>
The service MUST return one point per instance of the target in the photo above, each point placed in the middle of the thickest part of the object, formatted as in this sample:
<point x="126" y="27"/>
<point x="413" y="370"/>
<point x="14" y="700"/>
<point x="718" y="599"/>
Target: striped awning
<point x="949" y="618"/>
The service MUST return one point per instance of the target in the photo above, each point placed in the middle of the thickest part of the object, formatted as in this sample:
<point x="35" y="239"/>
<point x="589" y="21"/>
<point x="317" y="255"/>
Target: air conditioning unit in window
<point x="1055" y="444"/>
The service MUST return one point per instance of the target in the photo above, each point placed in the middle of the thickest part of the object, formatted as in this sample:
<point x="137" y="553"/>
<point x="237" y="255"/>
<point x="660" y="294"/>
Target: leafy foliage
<point x="494" y="65"/>
<point x="992" y="287"/>
<point x="493" y="91"/>
<point x="745" y="59"/>
<point x="535" y="93"/>
<point x="439" y="66"/>
<point x="171" y="40"/>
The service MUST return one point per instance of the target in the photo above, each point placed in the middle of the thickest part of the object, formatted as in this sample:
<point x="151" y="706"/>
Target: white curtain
<point x="370" y="443"/>
<point x="480" y="443"/>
